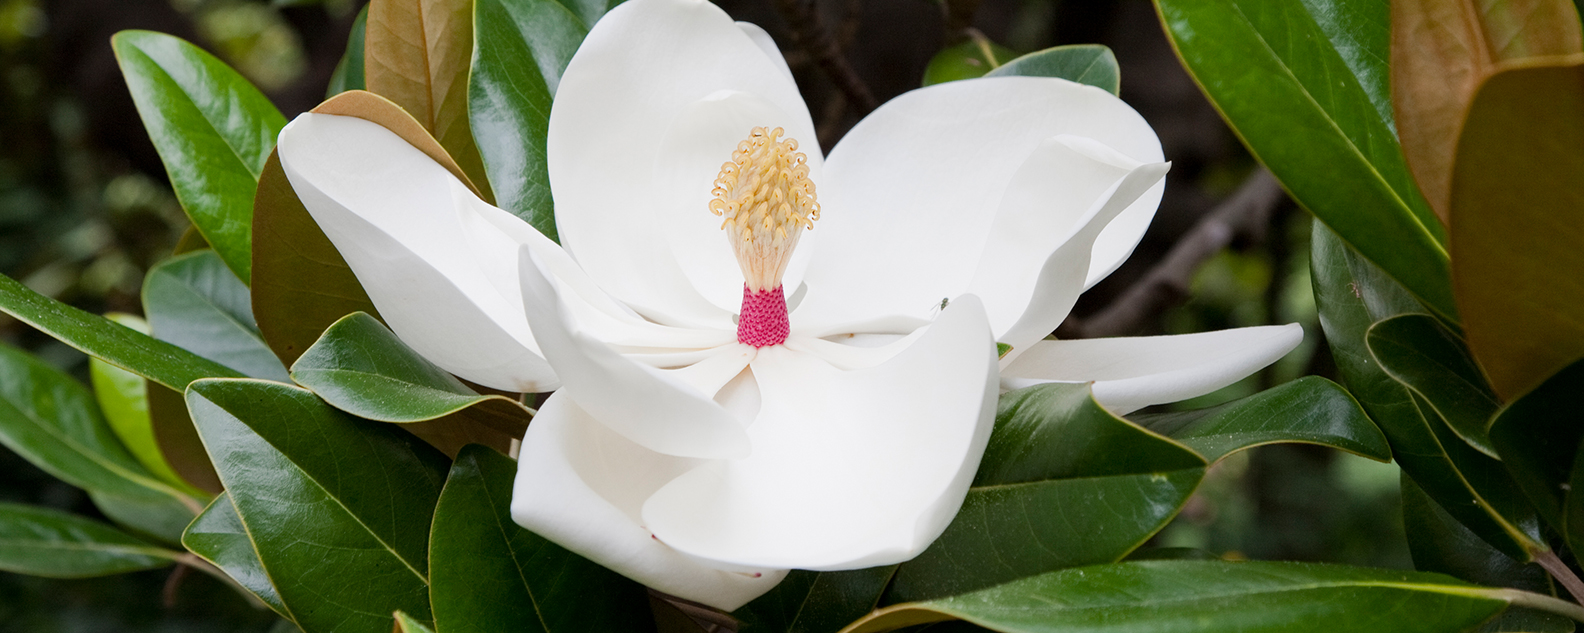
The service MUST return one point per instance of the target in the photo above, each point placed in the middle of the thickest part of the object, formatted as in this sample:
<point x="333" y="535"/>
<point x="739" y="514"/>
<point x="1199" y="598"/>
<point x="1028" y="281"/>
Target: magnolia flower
<point x="765" y="358"/>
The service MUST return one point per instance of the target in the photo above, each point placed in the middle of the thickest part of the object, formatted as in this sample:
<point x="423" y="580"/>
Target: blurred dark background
<point x="85" y="209"/>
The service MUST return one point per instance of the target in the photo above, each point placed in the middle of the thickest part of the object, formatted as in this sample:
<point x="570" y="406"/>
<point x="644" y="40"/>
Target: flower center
<point x="765" y="195"/>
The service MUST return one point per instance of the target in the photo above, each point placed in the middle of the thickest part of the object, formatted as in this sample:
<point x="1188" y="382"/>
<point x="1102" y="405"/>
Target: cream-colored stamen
<point x="767" y="200"/>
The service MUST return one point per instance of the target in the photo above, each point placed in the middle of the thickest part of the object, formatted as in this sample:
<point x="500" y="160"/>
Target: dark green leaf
<point x="212" y="128"/>
<point x="1309" y="410"/>
<point x="155" y="518"/>
<point x="1353" y="294"/>
<point x="815" y="602"/>
<point x="1440" y="544"/>
<point x="1089" y="64"/>
<point x="338" y="507"/>
<point x="348" y="73"/>
<point x="118" y="345"/>
<point x="218" y="536"/>
<point x="1063" y="483"/>
<point x="1305" y="85"/>
<point x="1248" y="597"/>
<point x="522" y="49"/>
<point x="492" y="575"/>
<point x="193" y="301"/>
<point x="52" y="421"/>
<point x="1538" y="436"/>
<point x="360" y="367"/>
<point x="303" y="284"/>
<point x="44" y="542"/>
<point x="1433" y="361"/>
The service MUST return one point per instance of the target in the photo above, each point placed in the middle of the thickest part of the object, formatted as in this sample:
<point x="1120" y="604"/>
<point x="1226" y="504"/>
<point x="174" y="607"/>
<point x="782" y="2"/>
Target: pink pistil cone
<point x="763" y="321"/>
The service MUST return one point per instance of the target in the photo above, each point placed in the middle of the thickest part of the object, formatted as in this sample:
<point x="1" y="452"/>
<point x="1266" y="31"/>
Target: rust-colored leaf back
<point x="417" y="54"/>
<point x="1442" y="50"/>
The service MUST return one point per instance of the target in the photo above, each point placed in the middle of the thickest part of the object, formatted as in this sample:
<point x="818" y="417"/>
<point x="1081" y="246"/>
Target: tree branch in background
<point x="1247" y="210"/>
<point x="810" y="35"/>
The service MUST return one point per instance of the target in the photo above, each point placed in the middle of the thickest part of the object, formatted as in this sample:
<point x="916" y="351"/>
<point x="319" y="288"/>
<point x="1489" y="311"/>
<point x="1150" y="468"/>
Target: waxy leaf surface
<point x="116" y="344"/>
<point x="338" y="507"/>
<point x="1181" y="596"/>
<point x="218" y="536"/>
<point x="1538" y="437"/>
<point x="1440" y="544"/>
<point x="1089" y="64"/>
<point x="192" y="300"/>
<point x="1432" y="360"/>
<point x="815" y="602"/>
<point x="1305" y="84"/>
<point x="45" y="542"/>
<point x="1308" y="410"/>
<point x="348" y="73"/>
<point x="1352" y="295"/>
<point x="212" y="128"/>
<point x="489" y="574"/>
<point x="123" y="398"/>
<point x="523" y="47"/>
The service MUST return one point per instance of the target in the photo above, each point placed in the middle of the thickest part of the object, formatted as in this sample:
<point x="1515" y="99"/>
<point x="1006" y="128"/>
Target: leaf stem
<point x="1543" y="603"/>
<point x="1559" y="570"/>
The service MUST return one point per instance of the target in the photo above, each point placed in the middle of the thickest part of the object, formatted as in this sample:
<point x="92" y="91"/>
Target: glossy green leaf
<point x="45" y="542"/>
<point x="407" y="624"/>
<point x="1352" y="295"/>
<point x="218" y="536"/>
<point x="348" y="73"/>
<point x="1432" y="360"/>
<point x="360" y="367"/>
<point x="1440" y="544"/>
<point x="489" y="574"/>
<point x="192" y="300"/>
<point x="212" y="128"/>
<point x="96" y="336"/>
<point x="1517" y="187"/>
<point x="1089" y="64"/>
<point x="123" y="398"/>
<point x="338" y="507"/>
<point x="1305" y="84"/>
<point x="522" y="49"/>
<point x="1309" y="410"/>
<point x="1064" y="483"/>
<point x="1538" y="437"/>
<point x="968" y="60"/>
<point x="303" y="284"/>
<point x="160" y="519"/>
<point x="1248" y="597"/>
<point x="815" y="602"/>
<point x="49" y="419"/>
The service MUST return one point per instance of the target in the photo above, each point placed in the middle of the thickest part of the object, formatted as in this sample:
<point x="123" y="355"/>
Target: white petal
<point x="582" y="486"/>
<point x="767" y="44"/>
<point x="649" y="406"/>
<point x="910" y="194"/>
<point x="1061" y="277"/>
<point x="850" y="469"/>
<point x="1132" y="373"/>
<point x="498" y="235"/>
<point x="392" y="212"/>
<point x="639" y="70"/>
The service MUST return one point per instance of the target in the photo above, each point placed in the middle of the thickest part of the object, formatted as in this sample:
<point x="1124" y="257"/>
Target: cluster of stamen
<point x="766" y="200"/>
